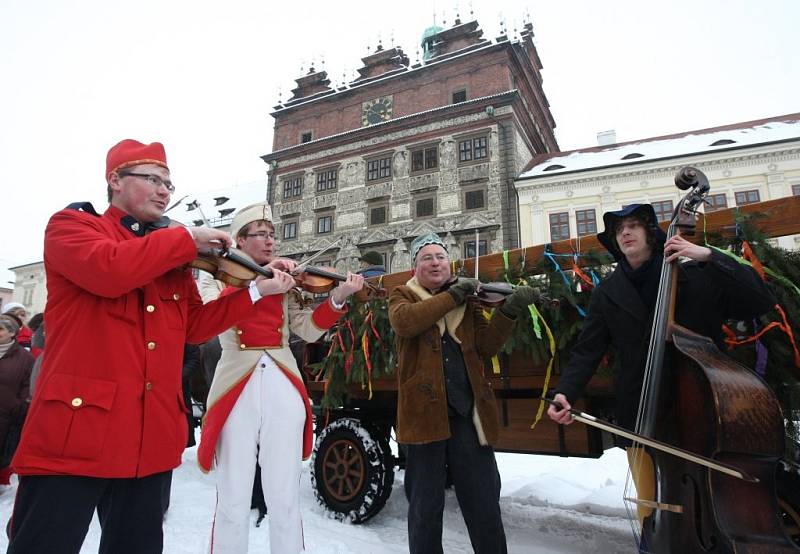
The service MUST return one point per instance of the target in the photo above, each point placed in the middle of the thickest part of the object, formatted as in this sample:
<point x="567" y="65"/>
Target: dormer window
<point x="722" y="142"/>
<point x="226" y="211"/>
<point x="220" y="200"/>
<point x="553" y="167"/>
<point x="632" y="155"/>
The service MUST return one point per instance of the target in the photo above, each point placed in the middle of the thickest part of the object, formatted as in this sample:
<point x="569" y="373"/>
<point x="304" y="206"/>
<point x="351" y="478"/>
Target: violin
<point x="493" y="295"/>
<point x="230" y="267"/>
<point x="238" y="270"/>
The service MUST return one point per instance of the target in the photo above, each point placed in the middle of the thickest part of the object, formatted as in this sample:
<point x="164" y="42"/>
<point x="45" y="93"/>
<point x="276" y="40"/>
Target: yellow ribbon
<point x="536" y="315"/>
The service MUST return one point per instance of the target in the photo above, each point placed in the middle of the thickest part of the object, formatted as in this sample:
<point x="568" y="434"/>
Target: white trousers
<point x="266" y="422"/>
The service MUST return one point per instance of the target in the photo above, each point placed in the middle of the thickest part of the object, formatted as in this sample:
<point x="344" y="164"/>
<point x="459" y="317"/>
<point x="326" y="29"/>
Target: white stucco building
<point x="564" y="195"/>
<point x="30" y="286"/>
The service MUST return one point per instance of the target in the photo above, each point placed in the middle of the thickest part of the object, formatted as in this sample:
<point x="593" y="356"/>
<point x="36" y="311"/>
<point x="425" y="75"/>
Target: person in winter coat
<point x="15" y="374"/>
<point x="258" y="405"/>
<point x="446" y="411"/>
<point x="36" y="325"/>
<point x="107" y="422"/>
<point x="20" y="312"/>
<point x="712" y="288"/>
<point x="371" y="264"/>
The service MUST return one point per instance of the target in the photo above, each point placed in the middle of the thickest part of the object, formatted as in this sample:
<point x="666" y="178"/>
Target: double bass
<point x="697" y="398"/>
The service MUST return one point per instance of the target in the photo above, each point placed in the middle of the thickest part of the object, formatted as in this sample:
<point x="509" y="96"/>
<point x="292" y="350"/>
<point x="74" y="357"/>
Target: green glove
<point x="519" y="300"/>
<point x="463" y="288"/>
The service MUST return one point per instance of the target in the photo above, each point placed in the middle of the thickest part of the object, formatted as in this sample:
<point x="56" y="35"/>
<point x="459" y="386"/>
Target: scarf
<point x="645" y="278"/>
<point x="451" y="319"/>
<point x="4" y="348"/>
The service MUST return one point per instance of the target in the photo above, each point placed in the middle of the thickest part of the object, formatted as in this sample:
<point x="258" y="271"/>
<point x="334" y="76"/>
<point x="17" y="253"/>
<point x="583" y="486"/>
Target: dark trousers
<point x="52" y="514"/>
<point x="476" y="480"/>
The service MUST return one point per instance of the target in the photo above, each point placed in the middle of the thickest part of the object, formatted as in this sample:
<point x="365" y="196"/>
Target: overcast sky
<point x="202" y="77"/>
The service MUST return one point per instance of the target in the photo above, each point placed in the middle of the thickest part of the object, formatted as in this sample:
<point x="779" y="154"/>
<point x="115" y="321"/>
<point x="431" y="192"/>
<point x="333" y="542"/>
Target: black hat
<point x="610" y="219"/>
<point x="372" y="258"/>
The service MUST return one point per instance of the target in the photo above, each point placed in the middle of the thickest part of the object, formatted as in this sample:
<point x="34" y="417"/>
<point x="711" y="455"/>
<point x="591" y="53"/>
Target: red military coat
<point x="108" y="402"/>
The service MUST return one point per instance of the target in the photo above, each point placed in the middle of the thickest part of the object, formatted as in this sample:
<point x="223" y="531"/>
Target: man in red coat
<point x="107" y="423"/>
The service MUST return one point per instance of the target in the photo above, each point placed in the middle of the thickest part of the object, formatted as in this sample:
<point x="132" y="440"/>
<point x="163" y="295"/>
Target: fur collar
<point x="451" y="319"/>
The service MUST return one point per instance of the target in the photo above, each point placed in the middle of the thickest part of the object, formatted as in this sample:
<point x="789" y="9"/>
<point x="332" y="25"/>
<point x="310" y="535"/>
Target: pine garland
<point x="781" y="373"/>
<point x="361" y="349"/>
<point x="366" y="327"/>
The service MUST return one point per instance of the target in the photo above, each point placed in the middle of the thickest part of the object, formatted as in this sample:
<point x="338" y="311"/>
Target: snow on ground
<point x="549" y="505"/>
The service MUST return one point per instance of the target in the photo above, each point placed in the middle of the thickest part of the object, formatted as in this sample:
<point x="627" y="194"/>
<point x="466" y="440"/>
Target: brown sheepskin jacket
<point x="422" y="414"/>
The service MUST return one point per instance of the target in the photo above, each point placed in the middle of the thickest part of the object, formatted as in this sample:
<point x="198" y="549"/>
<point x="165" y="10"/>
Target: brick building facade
<point x="410" y="148"/>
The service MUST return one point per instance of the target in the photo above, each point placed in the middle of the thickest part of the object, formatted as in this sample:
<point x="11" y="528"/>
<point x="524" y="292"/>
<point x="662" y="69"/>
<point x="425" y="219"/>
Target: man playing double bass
<point x="712" y="288"/>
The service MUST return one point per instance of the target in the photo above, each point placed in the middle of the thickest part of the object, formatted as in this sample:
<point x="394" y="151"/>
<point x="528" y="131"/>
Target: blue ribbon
<point x="552" y="257"/>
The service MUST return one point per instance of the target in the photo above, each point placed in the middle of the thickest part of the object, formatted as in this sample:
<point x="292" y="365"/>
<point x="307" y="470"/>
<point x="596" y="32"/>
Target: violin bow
<point x="176" y="203"/>
<point x="588" y="419"/>
<point x="317" y="255"/>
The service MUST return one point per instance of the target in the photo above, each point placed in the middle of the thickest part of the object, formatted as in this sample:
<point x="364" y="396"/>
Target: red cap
<point x="131" y="152"/>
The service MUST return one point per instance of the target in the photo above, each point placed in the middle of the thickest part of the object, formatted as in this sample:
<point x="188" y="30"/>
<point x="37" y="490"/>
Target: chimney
<point x="604" y="138"/>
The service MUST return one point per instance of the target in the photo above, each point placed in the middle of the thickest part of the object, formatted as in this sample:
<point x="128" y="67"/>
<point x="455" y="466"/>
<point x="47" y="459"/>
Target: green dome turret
<point x="427" y="41"/>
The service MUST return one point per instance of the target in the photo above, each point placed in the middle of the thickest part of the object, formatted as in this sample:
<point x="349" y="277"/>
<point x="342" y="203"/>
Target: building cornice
<point x="358" y="86"/>
<point x="663" y="167"/>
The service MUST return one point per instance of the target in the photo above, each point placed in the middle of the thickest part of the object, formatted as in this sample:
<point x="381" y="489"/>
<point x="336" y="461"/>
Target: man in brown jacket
<point x="446" y="414"/>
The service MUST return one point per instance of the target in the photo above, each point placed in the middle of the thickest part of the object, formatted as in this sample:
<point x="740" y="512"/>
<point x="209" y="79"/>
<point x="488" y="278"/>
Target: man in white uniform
<point x="258" y="406"/>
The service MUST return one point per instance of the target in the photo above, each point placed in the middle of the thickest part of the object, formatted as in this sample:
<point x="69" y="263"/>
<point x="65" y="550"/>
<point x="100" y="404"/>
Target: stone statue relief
<point x="447" y="157"/>
<point x="400" y="164"/>
<point x="401" y="257"/>
<point x="347" y="258"/>
<point x="452" y="247"/>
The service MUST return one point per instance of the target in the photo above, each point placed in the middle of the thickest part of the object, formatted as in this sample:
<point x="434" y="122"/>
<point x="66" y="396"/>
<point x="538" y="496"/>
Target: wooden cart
<point x="353" y="465"/>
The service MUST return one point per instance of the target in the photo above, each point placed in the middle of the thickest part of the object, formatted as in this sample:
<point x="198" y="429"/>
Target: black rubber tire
<point x="352" y="470"/>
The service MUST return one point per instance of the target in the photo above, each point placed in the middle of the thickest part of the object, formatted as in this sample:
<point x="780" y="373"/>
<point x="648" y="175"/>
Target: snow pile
<point x="549" y="505"/>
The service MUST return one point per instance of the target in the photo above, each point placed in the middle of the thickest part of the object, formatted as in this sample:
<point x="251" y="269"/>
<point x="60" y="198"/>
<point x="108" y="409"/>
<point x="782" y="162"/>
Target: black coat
<point x="708" y="294"/>
<point x="15" y="375"/>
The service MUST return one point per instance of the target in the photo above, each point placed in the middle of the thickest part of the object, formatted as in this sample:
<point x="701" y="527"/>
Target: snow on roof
<point x="219" y="206"/>
<point x="740" y="135"/>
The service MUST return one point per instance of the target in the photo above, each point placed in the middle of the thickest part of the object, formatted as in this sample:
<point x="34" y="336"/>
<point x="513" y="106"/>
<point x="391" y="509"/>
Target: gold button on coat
<point x="151" y="345"/>
<point x="148" y="386"/>
<point x="238" y="331"/>
<point x="77" y="401"/>
<point x="176" y="296"/>
<point x="242" y="346"/>
<point x="150" y="308"/>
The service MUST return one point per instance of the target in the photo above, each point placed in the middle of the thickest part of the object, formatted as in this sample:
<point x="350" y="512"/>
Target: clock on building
<point x="377" y="110"/>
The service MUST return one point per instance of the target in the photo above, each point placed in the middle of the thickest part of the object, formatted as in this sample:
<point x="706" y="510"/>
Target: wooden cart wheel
<point x="352" y="469"/>
<point x="343" y="470"/>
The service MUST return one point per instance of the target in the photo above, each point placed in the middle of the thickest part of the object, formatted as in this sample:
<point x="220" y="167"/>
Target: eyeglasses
<point x="262" y="235"/>
<point x="154" y="180"/>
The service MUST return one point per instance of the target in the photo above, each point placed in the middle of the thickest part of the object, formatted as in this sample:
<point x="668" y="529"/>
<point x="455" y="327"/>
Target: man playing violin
<point x="107" y="424"/>
<point x="712" y="288"/>
<point x="258" y="408"/>
<point x="446" y="412"/>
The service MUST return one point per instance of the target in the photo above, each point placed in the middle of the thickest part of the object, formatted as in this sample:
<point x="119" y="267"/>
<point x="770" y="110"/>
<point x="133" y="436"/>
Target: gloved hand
<point x="463" y="288"/>
<point x="519" y="300"/>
